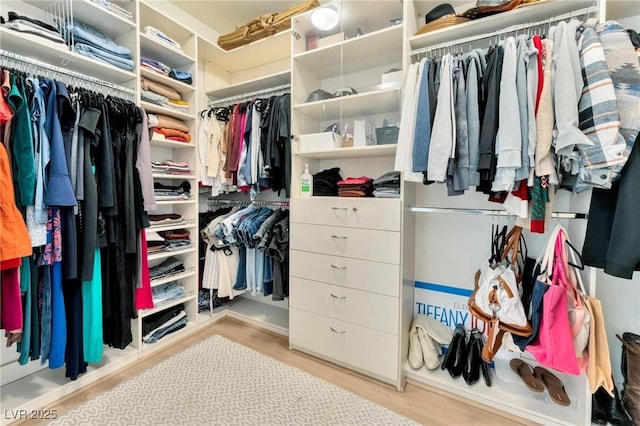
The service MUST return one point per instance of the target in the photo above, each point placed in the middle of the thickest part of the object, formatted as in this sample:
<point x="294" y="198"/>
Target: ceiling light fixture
<point x="325" y="18"/>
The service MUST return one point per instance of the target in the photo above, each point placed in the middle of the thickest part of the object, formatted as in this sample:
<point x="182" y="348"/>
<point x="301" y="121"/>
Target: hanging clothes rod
<point x="503" y="31"/>
<point x="487" y="212"/>
<point x="248" y="96"/>
<point x="9" y="58"/>
<point x="214" y="201"/>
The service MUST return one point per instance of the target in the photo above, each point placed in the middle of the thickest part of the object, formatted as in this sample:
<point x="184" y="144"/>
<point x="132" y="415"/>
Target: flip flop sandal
<point x="527" y="374"/>
<point x="554" y="385"/>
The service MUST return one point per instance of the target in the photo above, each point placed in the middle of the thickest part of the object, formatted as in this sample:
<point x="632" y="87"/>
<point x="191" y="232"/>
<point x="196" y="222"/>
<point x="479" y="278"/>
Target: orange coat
<point x="14" y="237"/>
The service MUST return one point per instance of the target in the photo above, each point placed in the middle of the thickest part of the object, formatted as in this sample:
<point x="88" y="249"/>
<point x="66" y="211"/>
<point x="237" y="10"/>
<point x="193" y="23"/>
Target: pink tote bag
<point x="554" y="346"/>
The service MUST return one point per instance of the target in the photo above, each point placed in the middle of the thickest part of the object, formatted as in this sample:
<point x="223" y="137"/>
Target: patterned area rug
<point x="221" y="382"/>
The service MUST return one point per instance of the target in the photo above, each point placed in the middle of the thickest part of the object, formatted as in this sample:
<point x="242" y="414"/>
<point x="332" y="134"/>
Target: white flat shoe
<point x="433" y="328"/>
<point x="431" y="350"/>
<point x="415" y="349"/>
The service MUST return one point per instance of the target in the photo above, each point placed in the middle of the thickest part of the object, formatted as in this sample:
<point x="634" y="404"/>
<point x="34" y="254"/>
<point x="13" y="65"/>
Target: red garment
<point x="144" y="297"/>
<point x="10" y="263"/>
<point x="10" y="301"/>
<point x="538" y="44"/>
<point x="176" y="138"/>
<point x="6" y="114"/>
<point x="238" y="139"/>
<point x="173" y="132"/>
<point x="355" y="181"/>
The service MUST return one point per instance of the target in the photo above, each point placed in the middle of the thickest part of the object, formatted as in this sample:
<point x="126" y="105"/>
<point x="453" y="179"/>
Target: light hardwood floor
<point x="428" y="407"/>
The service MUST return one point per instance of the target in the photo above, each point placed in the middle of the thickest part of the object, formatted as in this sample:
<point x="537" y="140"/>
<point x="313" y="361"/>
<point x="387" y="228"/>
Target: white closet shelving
<point x="523" y="15"/>
<point x="259" y="65"/>
<point x="252" y="68"/>
<point x="123" y="31"/>
<point x="183" y="60"/>
<point x="274" y="61"/>
<point x="339" y="244"/>
<point x="446" y="262"/>
<point x="373" y="151"/>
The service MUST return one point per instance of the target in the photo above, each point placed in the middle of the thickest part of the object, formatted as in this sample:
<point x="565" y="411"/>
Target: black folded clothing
<point x="184" y="187"/>
<point x="154" y="321"/>
<point x="325" y="183"/>
<point x="388" y="180"/>
<point x="13" y="16"/>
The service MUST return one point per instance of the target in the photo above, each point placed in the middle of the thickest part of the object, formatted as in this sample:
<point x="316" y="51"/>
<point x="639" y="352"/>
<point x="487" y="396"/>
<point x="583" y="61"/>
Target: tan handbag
<point x="264" y="26"/>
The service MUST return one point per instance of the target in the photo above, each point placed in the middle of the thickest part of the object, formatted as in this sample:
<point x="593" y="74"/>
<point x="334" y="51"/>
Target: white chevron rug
<point x="223" y="383"/>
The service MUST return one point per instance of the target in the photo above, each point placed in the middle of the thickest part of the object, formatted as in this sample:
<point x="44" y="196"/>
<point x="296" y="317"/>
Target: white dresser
<point x="345" y="283"/>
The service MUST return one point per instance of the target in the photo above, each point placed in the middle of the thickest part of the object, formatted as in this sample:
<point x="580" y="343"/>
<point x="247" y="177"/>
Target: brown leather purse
<point x="496" y="327"/>
<point x="264" y="26"/>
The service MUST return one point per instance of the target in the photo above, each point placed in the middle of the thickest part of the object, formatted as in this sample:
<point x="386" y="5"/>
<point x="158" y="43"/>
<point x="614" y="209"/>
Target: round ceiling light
<point x="325" y="18"/>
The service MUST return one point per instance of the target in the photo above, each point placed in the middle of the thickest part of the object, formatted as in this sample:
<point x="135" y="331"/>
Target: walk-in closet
<point x="319" y="212"/>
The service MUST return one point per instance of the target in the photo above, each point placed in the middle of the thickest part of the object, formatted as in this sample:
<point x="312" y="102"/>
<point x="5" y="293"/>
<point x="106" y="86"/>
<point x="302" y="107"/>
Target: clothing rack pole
<point x="518" y="27"/>
<point x="212" y="201"/>
<point x="249" y="95"/>
<point x="8" y="57"/>
<point x="487" y="212"/>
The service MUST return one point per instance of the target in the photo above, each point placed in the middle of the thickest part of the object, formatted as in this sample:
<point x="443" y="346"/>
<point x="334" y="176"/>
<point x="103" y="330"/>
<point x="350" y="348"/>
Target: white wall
<point x="180" y="15"/>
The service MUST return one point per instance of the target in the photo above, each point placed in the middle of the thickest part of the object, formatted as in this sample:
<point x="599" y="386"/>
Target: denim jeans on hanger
<point x="241" y="277"/>
<point x="268" y="274"/>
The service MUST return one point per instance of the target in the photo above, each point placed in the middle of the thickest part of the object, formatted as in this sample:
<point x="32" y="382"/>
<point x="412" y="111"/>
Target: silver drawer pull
<point x="338" y="267"/>
<point x="337" y="297"/>
<point x="339" y="236"/>
<point x="338" y="208"/>
<point x="337" y="331"/>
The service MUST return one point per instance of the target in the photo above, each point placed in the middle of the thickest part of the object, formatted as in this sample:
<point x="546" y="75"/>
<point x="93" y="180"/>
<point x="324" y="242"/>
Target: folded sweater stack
<point x="172" y="192"/>
<point x="325" y="183"/>
<point x="173" y="240"/>
<point x="92" y="43"/>
<point x="118" y="10"/>
<point x="163" y="95"/>
<point x="160" y="68"/>
<point x="169" y="128"/>
<point x="34" y="28"/>
<point x="387" y="185"/>
<point x="171" y="167"/>
<point x="158" y="325"/>
<point x="356" y="187"/>
<point x="158" y="35"/>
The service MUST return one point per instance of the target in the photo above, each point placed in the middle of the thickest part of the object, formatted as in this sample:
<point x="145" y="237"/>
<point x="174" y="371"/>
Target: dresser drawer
<point x="364" y="349"/>
<point x="376" y="277"/>
<point x="367" y="244"/>
<point x="368" y="213"/>
<point x="359" y="307"/>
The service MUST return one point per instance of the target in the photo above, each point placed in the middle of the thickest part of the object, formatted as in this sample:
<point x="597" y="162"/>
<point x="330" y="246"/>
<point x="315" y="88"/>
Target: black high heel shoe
<point x="454" y="360"/>
<point x="474" y="364"/>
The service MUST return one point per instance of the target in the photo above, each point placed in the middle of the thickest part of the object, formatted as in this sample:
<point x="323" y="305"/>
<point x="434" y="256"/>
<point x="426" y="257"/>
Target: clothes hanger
<point x="581" y="266"/>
